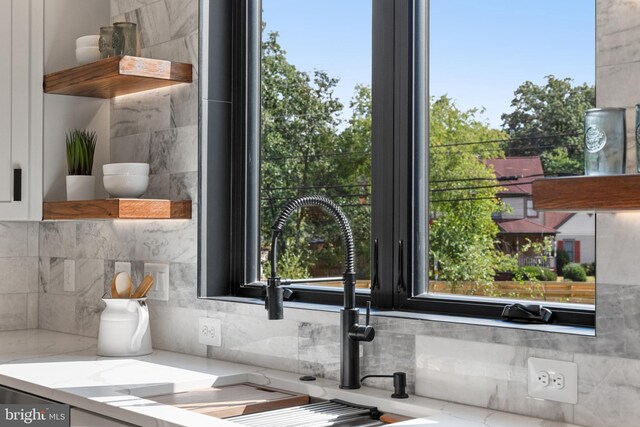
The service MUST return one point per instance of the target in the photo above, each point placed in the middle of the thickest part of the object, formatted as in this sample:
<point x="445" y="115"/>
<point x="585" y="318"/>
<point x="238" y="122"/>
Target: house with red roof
<point x="575" y="233"/>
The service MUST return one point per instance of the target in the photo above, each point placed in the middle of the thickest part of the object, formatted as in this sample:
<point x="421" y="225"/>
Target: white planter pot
<point x="81" y="187"/>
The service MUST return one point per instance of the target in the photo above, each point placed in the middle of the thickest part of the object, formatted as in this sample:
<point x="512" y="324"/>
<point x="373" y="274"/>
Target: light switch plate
<point x="210" y="331"/>
<point x="561" y="384"/>
<point x="160" y="274"/>
<point x="122" y="267"/>
<point x="69" y="275"/>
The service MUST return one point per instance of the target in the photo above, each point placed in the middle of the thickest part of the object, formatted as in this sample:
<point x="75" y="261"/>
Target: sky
<point x="480" y="51"/>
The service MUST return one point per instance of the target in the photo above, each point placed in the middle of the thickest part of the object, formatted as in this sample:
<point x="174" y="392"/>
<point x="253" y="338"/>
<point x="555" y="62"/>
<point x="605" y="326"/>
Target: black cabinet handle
<point x="375" y="282"/>
<point x="17" y="185"/>
<point x="400" y="283"/>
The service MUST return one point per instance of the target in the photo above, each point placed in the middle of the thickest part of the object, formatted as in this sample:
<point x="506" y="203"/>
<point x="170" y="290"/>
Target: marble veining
<point x="65" y="368"/>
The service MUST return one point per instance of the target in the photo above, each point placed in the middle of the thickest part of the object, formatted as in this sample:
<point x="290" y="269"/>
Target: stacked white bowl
<point x="126" y="180"/>
<point x="87" y="49"/>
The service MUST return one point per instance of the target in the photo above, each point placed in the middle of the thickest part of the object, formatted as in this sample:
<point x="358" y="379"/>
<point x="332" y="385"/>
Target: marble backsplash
<point x="19" y="272"/>
<point x="477" y="365"/>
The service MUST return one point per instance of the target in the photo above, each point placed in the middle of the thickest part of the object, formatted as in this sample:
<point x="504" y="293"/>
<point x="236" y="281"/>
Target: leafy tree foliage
<point x="462" y="233"/>
<point x="548" y="121"/>
<point x="305" y="151"/>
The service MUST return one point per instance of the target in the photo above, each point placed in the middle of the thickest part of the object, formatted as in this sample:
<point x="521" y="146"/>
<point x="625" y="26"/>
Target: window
<point x="531" y="213"/>
<point x="399" y="184"/>
<point x="501" y="75"/>
<point x="569" y="248"/>
<point x="315" y="135"/>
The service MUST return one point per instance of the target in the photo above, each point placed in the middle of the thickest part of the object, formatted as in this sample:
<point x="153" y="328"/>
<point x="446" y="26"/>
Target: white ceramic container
<point x="85" y="55"/>
<point x="81" y="187"/>
<point x="126" y="169"/>
<point x="124" y="328"/>
<point x="126" y="186"/>
<point x="87" y="41"/>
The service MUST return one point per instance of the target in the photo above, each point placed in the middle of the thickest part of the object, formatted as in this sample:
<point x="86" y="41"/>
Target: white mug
<point x="124" y="328"/>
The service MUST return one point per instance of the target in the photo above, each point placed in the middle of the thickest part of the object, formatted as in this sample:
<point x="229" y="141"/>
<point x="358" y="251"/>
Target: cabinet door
<point x="6" y="77"/>
<point x="21" y="104"/>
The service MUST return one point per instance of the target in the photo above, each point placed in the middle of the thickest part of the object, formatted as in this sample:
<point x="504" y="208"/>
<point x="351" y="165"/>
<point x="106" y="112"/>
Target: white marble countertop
<point x="65" y="368"/>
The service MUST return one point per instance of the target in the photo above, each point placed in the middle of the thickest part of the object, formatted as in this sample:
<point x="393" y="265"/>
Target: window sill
<point x="477" y="321"/>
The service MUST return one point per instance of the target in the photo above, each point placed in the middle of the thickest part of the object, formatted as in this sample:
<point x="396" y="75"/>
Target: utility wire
<point x="501" y="178"/>
<point x="466" y="199"/>
<point x="313" y="187"/>
<point x="442" y="190"/>
<point x="493" y="141"/>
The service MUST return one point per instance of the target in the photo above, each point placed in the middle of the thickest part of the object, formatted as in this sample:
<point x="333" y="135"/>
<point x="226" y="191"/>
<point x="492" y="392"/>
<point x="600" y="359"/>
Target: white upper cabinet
<point x="21" y="103"/>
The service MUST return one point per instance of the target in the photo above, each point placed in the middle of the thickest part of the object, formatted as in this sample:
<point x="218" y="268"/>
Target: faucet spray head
<point x="274" y="301"/>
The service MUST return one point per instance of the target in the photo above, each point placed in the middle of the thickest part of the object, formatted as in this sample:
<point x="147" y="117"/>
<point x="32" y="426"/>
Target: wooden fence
<point x="574" y="292"/>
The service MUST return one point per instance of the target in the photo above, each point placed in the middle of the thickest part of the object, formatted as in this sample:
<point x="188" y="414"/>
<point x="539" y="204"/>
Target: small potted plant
<point x="81" y="146"/>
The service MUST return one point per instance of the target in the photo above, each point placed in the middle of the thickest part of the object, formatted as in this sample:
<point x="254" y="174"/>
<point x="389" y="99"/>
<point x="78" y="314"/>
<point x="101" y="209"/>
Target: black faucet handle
<point x="368" y="313"/>
<point x="363" y="332"/>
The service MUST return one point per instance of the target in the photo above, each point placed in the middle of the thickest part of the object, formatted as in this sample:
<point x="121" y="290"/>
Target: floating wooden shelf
<point x="587" y="193"/>
<point x="118" y="209"/>
<point x="118" y="75"/>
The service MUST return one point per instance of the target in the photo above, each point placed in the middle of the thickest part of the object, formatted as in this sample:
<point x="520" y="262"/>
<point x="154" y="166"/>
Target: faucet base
<point x="349" y="350"/>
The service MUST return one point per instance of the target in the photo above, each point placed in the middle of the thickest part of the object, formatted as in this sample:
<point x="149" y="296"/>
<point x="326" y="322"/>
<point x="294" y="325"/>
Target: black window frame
<point x="230" y="157"/>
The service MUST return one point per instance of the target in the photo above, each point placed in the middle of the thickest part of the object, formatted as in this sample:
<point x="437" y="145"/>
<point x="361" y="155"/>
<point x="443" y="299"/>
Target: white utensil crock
<point x="124" y="328"/>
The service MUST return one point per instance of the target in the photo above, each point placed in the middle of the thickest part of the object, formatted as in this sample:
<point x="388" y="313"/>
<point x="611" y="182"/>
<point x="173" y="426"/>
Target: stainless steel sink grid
<point x="328" y="413"/>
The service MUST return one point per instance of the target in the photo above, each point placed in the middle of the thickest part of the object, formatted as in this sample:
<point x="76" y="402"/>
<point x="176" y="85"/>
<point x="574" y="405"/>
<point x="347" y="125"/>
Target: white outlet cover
<point x="210" y="331"/>
<point x="160" y="274"/>
<point x="569" y="370"/>
<point x="69" y="275"/>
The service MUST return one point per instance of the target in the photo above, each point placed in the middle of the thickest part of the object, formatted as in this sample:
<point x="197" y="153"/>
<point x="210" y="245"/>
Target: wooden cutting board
<point x="239" y="399"/>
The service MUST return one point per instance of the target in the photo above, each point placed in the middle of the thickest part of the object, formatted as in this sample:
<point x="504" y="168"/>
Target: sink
<point x="243" y="398"/>
<point x="254" y="405"/>
<point x="318" y="414"/>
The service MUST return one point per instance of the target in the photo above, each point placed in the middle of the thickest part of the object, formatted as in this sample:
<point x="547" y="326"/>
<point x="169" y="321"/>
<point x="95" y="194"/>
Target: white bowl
<point x="85" y="55"/>
<point x="126" y="169"/>
<point x="126" y="186"/>
<point x="87" y="41"/>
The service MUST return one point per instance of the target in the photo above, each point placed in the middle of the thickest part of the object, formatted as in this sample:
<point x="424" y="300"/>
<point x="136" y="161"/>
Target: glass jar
<point x="605" y="141"/>
<point x="125" y="39"/>
<point x="106" y="42"/>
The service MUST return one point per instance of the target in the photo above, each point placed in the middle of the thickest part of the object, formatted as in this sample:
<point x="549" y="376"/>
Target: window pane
<point x="509" y="84"/>
<point x="316" y="132"/>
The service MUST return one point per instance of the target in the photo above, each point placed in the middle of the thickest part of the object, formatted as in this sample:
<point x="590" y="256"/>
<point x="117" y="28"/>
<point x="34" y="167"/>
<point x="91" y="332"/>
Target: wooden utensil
<point x="144" y="287"/>
<point x="121" y="286"/>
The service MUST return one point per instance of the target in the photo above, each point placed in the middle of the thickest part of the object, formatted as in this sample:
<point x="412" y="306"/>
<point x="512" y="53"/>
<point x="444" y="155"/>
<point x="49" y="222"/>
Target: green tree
<point x="463" y="190"/>
<point x="304" y="151"/>
<point x="548" y="121"/>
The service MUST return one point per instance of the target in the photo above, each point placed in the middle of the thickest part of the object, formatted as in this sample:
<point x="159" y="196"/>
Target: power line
<point x="319" y="156"/>
<point x="501" y="178"/>
<point x="493" y="141"/>
<point x="467" y="199"/>
<point x="313" y="187"/>
<point x="442" y="190"/>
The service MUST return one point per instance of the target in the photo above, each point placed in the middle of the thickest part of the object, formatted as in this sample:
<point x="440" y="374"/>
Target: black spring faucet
<point x="351" y="331"/>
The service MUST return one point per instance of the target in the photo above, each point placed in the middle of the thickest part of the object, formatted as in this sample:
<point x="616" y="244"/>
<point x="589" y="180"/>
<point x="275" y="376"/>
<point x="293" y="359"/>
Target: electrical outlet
<point x="553" y="380"/>
<point x="160" y="274"/>
<point x="122" y="267"/>
<point x="210" y="331"/>
<point x="69" y="275"/>
<point x="542" y="378"/>
<point x="557" y="380"/>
